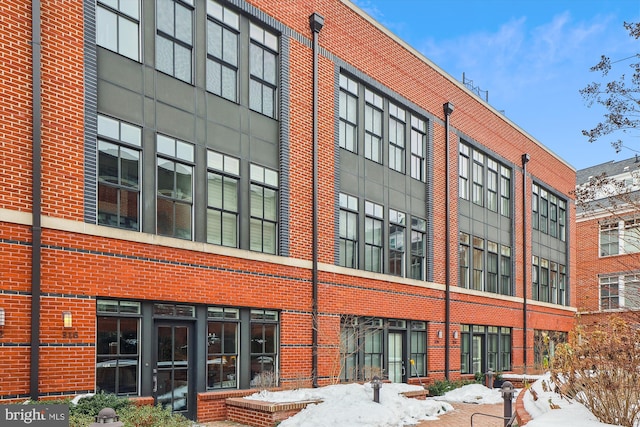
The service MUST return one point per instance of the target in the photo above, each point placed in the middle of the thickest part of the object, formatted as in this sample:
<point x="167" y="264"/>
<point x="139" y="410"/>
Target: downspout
<point x="525" y="160"/>
<point x="36" y="229"/>
<point x="316" y="22"/>
<point x="448" y="109"/>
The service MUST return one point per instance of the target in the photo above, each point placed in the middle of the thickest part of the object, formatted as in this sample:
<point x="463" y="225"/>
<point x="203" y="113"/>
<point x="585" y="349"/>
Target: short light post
<point x="376" y="385"/>
<point x="507" y="395"/>
<point x="488" y="379"/>
<point x="107" y="417"/>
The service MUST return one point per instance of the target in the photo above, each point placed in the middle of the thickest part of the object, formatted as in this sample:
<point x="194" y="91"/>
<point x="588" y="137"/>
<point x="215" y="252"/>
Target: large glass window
<point x="418" y="248"/>
<point x="349" y="349"/>
<point x="264" y="348"/>
<point x="544" y="211"/>
<point x="609" y="239"/>
<point x="396" y="138"/>
<point x="222" y="199"/>
<point x="223" y="27"/>
<point x="348" y="133"/>
<point x="119" y="165"/>
<point x="222" y="347"/>
<point x="263" y="227"/>
<point x="631" y="291"/>
<point x="505" y="270"/>
<point x="492" y="267"/>
<point x="373" y="243"/>
<point x="263" y="67"/>
<point x="632" y="236"/>
<point x="484" y="348"/>
<point x="118" y="347"/>
<point x="174" y="38"/>
<point x="397" y="226"/>
<point x="348" y="231"/>
<point x="372" y="126"/>
<point x="175" y="187"/>
<point x="118" y="26"/>
<point x="373" y="350"/>
<point x="418" y="148"/>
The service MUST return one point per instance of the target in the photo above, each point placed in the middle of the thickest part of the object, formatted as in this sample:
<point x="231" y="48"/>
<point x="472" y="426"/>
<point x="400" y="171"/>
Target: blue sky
<point x="532" y="56"/>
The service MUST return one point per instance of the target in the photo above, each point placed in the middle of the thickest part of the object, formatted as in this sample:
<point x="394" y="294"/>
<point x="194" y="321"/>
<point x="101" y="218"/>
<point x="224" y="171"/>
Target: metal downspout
<point x="525" y="160"/>
<point x="316" y="23"/>
<point x="448" y="109"/>
<point x="36" y="229"/>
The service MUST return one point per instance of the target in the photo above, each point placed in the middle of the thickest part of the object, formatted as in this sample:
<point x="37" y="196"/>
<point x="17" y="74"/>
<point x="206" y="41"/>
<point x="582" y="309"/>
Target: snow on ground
<point x="569" y="413"/>
<point x="352" y="405"/>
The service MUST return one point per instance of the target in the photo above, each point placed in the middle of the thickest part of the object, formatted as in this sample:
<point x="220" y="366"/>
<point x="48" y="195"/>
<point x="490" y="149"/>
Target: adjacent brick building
<point x="202" y="197"/>
<point x="608" y="228"/>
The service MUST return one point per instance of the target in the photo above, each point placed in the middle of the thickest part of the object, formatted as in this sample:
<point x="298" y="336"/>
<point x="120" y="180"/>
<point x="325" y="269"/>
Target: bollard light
<point x="507" y="394"/>
<point x="376" y="385"/>
<point x="107" y="417"/>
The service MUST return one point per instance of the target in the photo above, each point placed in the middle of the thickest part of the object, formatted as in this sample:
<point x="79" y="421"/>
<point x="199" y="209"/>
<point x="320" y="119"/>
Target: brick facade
<point x="83" y="262"/>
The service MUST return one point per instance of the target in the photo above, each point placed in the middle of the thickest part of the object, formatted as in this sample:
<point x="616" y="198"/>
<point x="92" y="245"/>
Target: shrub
<point x="440" y="387"/>
<point x="152" y="416"/>
<point x="600" y="368"/>
<point x="91" y="405"/>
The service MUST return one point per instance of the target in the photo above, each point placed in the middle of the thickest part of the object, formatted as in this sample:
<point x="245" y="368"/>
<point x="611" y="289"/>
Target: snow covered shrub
<point x="600" y="368"/>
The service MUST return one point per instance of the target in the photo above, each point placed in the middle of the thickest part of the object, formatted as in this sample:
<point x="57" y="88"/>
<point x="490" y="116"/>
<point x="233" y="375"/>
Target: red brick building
<point x="208" y="196"/>
<point x="608" y="228"/>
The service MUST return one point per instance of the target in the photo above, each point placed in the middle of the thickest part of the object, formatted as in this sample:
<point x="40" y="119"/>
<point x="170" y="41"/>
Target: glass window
<point x="174" y="187"/>
<point x="174" y="38"/>
<point x="222" y="199"/>
<point x="631" y="293"/>
<point x="553" y="215"/>
<point x="505" y="191"/>
<point x="263" y="70"/>
<point x="118" y="26"/>
<point x="464" y="259"/>
<point x="562" y="285"/>
<point x="263" y="227"/>
<point x="349" y="349"/>
<point x="631" y="237"/>
<point x="535" y="277"/>
<point x="478" y="178"/>
<point x="553" y="282"/>
<point x="609" y="293"/>
<point x="492" y="185"/>
<point x="373" y="351"/>
<point x="118" y="347"/>
<point x="492" y="267"/>
<point x="223" y="27"/>
<point x="544" y="211"/>
<point x="505" y="270"/>
<point x="562" y="220"/>
<point x="348" y="231"/>
<point x="372" y="126"/>
<point x="544" y="280"/>
<point x="609" y="239"/>
<point x="418" y="352"/>
<point x="535" y="207"/>
<point x="418" y="148"/>
<point x="396" y="138"/>
<point x="397" y="226"/>
<point x="222" y="347"/>
<point x="463" y="172"/>
<point x="477" y="281"/>
<point x="418" y="248"/>
<point x="373" y="237"/>
<point x="119" y="173"/>
<point x="348" y="133"/>
<point x="264" y="348"/>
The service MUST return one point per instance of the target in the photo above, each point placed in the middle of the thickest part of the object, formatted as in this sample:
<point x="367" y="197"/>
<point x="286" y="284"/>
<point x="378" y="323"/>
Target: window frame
<point x="121" y="15"/>
<point x="227" y="168"/>
<point x="263" y="182"/>
<point x="175" y="40"/>
<point x="229" y="23"/>
<point x="267" y="43"/>
<point x="373" y="237"/>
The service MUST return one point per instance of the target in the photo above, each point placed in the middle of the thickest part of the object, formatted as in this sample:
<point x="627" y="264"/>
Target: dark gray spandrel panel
<point x="175" y="122"/>
<point x="119" y="70"/>
<point x="263" y="126"/>
<point x="417" y="189"/>
<point x="118" y="102"/>
<point x="374" y="172"/>
<point x="418" y="208"/>
<point x="397" y="200"/>
<point x="374" y="192"/>
<point x="175" y="92"/>
<point x="227" y="113"/>
<point x="349" y="183"/>
<point x="264" y="153"/>
<point x="397" y="182"/>
<point x="224" y="139"/>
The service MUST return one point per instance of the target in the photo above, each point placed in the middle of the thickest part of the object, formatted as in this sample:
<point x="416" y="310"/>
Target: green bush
<point x="152" y="416"/>
<point x="440" y="387"/>
<point x="91" y="405"/>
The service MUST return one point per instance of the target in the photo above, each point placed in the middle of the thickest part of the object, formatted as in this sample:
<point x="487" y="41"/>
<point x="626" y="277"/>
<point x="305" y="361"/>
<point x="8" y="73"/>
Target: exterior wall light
<point x="455" y="335"/>
<point x="67" y="319"/>
<point x="439" y="334"/>
<point x="2" y="317"/>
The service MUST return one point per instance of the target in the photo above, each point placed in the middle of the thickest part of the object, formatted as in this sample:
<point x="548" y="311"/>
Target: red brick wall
<point x="77" y="267"/>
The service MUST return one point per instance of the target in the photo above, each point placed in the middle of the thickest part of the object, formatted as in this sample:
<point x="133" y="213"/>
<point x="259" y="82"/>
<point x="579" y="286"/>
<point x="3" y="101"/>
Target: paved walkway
<point x="459" y="417"/>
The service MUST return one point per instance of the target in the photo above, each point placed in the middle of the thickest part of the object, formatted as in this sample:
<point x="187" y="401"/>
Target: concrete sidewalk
<point x="459" y="417"/>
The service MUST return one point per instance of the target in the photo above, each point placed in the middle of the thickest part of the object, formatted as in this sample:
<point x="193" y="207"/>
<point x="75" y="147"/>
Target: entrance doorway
<point x="397" y="372"/>
<point x="173" y="387"/>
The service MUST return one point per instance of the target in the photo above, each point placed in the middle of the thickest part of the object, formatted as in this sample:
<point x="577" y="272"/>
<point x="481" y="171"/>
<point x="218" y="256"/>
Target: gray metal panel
<point x="285" y="147"/>
<point x="90" y="111"/>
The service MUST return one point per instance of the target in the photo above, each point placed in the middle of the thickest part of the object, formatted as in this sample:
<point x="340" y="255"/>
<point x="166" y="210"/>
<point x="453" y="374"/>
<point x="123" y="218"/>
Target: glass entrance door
<point x="477" y="352"/>
<point x="396" y="357"/>
<point x="172" y="385"/>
